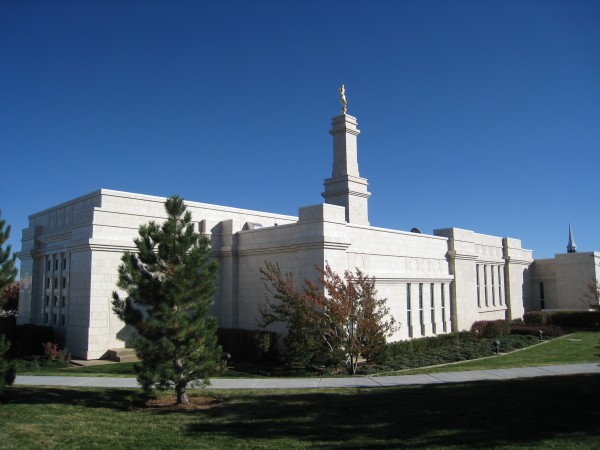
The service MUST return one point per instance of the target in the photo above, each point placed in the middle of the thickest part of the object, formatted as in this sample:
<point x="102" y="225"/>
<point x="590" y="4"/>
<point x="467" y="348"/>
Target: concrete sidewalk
<point x="345" y="382"/>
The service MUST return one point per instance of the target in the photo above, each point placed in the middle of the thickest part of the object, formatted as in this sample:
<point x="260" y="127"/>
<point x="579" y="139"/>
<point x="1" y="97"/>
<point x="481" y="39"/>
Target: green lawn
<point x="549" y="413"/>
<point x="581" y="347"/>
<point x="104" y="370"/>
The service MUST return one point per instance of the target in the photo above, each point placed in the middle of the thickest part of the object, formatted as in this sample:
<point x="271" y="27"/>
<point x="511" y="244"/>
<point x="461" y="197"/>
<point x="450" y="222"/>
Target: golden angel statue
<point x="343" y="99"/>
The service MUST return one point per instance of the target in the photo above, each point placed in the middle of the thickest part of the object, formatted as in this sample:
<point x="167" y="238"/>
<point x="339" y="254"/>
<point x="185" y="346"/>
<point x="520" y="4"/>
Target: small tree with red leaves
<point x="337" y="317"/>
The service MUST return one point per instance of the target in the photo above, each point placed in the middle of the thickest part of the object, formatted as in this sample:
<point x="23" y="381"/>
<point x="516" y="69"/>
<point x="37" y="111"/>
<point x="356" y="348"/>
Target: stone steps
<point x="122" y="355"/>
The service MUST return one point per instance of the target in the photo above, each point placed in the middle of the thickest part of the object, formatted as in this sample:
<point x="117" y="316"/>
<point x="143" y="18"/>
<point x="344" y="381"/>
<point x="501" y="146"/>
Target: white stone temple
<point x="434" y="284"/>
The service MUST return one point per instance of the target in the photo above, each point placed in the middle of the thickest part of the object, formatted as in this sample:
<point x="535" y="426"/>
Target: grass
<point x="105" y="370"/>
<point x="581" y="347"/>
<point x="552" y="412"/>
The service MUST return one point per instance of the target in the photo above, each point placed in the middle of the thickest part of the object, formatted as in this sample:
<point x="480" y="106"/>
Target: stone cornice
<point x="452" y="254"/>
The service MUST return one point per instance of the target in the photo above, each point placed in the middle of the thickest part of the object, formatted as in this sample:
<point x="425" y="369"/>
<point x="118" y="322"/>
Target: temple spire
<point x="346" y="187"/>
<point x="571" y="246"/>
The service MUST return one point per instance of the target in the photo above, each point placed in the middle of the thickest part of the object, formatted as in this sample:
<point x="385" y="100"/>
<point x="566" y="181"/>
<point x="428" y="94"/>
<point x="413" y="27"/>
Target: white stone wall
<point x="565" y="280"/>
<point x="430" y="282"/>
<point x="490" y="276"/>
<point x="91" y="233"/>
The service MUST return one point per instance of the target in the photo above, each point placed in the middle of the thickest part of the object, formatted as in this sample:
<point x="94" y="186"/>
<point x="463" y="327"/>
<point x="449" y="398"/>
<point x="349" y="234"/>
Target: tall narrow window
<point x="493" y="285"/>
<point x="443" y="304"/>
<point x="48" y="265"/>
<point x="64" y="301"/>
<point x="421" y="318"/>
<point x="62" y="320"/>
<point x="408" y="306"/>
<point x="64" y="282"/>
<point x="56" y="264"/>
<point x="485" y="285"/>
<point x="542" y="298"/>
<point x="478" y="286"/>
<point x="47" y="283"/>
<point x="432" y="295"/>
<point x="500" y="281"/>
<point x="64" y="263"/>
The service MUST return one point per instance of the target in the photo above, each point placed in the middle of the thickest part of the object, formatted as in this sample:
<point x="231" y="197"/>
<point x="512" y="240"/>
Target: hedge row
<point x="565" y="319"/>
<point x="452" y="348"/>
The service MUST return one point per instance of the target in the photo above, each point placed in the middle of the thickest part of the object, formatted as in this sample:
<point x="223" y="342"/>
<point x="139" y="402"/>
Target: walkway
<point x="345" y="382"/>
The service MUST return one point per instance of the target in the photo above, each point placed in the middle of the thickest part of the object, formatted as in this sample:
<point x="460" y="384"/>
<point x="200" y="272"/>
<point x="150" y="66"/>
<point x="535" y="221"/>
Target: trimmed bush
<point x="565" y="319"/>
<point x="535" y="318"/>
<point x="576" y="319"/>
<point x="442" y="349"/>
<point x="490" y="328"/>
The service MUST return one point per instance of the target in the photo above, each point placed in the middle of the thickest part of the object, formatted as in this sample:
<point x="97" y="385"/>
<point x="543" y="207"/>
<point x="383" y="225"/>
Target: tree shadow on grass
<point x="476" y="415"/>
<point x="117" y="399"/>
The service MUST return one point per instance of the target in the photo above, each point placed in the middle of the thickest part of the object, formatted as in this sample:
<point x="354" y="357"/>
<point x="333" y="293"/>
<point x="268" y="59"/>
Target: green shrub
<point x="534" y="330"/>
<point x="37" y="362"/>
<point x="576" y="319"/>
<point x="442" y="349"/>
<point x="490" y="328"/>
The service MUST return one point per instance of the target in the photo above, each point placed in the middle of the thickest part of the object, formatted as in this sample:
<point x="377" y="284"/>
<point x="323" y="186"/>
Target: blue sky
<point x="482" y="115"/>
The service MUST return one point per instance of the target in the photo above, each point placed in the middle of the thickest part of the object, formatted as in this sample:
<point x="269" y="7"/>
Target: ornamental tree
<point x="170" y="285"/>
<point x="9" y="300"/>
<point x="338" y="317"/>
<point x="8" y="270"/>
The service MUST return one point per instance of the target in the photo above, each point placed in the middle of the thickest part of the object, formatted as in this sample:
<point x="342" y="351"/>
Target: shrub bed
<point x="441" y="350"/>
<point x="534" y="330"/>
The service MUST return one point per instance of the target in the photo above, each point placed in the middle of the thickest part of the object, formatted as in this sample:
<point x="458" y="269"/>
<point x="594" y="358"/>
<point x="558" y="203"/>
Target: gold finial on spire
<point x="343" y="99"/>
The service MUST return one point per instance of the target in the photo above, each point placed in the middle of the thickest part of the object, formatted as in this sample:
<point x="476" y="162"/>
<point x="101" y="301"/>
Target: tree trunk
<point x="182" y="397"/>
<point x="180" y="387"/>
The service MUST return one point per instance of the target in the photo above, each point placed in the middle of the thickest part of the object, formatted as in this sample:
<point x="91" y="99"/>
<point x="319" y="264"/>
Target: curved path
<point x="342" y="382"/>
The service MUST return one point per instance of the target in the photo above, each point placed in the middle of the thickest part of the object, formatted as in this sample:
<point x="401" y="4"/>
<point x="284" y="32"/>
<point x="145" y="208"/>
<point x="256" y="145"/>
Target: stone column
<point x="516" y="277"/>
<point x="345" y="187"/>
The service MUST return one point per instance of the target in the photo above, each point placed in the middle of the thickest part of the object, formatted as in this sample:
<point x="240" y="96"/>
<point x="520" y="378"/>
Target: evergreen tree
<point x="8" y="271"/>
<point x="7" y="370"/>
<point x="170" y="285"/>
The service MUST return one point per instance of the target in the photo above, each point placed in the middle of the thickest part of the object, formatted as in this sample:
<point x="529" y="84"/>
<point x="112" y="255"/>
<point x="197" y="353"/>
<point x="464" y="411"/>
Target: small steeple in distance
<point x="571" y="246"/>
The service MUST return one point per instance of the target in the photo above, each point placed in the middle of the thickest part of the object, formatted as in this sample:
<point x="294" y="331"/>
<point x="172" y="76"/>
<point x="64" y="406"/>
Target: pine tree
<point x="8" y="271"/>
<point x="7" y="370"/>
<point x="170" y="285"/>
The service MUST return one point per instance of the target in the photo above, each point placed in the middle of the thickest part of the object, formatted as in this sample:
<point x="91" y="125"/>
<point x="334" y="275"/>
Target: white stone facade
<point x="562" y="282"/>
<point x="434" y="283"/>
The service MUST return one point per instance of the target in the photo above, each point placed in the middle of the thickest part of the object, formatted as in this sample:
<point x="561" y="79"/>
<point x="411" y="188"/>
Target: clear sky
<point x="481" y="114"/>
